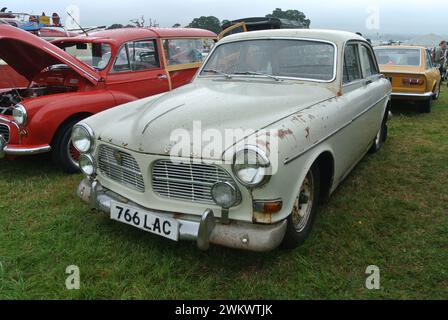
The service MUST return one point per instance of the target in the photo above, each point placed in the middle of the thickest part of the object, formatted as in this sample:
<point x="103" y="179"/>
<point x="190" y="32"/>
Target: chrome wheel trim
<point x="301" y="212"/>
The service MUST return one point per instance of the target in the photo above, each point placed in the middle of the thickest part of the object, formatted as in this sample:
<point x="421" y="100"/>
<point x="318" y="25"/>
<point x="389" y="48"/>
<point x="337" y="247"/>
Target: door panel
<point x="138" y="71"/>
<point x="363" y="109"/>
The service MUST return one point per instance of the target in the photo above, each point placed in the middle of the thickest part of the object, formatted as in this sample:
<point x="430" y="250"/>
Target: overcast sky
<point x="395" y="16"/>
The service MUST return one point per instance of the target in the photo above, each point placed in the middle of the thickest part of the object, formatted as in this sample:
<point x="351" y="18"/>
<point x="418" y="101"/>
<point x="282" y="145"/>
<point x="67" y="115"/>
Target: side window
<point x="144" y="55"/>
<point x="429" y="64"/>
<point x="186" y="51"/>
<point x="352" y="67"/>
<point x="137" y="56"/>
<point x="369" y="66"/>
<point x="122" y="62"/>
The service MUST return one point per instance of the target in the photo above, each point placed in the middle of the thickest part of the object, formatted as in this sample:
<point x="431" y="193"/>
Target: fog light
<point x="225" y="194"/>
<point x="87" y="164"/>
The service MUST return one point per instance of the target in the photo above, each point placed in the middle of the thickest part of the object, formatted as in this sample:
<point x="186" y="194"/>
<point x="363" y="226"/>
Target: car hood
<point x="146" y="125"/>
<point x="29" y="55"/>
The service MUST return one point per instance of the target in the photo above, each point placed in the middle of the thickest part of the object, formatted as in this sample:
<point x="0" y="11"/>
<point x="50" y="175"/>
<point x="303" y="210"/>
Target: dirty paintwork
<point x="309" y="119"/>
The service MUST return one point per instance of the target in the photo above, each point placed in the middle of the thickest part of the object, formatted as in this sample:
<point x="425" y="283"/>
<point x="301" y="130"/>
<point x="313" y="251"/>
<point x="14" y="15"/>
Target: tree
<point x="209" y="23"/>
<point x="115" y="26"/>
<point x="294" y="15"/>
<point x="177" y="25"/>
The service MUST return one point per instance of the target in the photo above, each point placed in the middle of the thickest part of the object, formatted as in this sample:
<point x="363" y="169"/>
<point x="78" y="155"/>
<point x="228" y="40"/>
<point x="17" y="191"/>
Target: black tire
<point x="61" y="148"/>
<point x="380" y="138"/>
<point x="437" y="93"/>
<point x="298" y="231"/>
<point x="426" y="106"/>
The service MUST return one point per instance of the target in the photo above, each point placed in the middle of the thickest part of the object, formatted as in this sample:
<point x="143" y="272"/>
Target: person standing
<point x="440" y="56"/>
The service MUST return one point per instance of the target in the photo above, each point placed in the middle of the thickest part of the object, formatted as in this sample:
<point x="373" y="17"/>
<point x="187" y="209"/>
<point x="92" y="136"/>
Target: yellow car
<point x="412" y="74"/>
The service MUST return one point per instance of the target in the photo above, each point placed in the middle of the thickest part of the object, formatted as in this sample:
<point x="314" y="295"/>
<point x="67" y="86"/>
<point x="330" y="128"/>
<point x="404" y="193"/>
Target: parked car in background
<point x="257" y="24"/>
<point x="74" y="78"/>
<point x="412" y="74"/>
<point x="317" y="95"/>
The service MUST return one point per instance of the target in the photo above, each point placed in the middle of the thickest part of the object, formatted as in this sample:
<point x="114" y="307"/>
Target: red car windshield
<point x="96" y="55"/>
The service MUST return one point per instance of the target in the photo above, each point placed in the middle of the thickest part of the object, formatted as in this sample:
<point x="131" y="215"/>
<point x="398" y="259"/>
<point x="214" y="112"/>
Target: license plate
<point x="144" y="220"/>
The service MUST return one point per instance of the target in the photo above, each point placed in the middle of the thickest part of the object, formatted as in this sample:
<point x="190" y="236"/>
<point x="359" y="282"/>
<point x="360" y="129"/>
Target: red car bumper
<point x="14" y="150"/>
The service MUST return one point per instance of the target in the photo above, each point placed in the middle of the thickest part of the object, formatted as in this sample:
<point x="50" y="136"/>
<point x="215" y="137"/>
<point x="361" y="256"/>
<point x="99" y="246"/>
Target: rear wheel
<point x="426" y="105"/>
<point x="303" y="215"/>
<point x="64" y="153"/>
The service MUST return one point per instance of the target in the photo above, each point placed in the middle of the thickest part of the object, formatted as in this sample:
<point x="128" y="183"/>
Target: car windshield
<point x="96" y="55"/>
<point x="398" y="57"/>
<point x="304" y="59"/>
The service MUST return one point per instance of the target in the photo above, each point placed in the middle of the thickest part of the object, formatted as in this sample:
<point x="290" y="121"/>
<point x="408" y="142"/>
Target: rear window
<point x="399" y="57"/>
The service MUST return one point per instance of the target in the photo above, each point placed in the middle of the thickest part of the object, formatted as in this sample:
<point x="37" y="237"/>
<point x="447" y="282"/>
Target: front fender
<point x="285" y="184"/>
<point x="49" y="112"/>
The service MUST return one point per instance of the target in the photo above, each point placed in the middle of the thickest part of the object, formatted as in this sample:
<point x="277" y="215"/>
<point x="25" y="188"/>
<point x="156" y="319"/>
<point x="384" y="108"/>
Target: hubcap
<point x="304" y="204"/>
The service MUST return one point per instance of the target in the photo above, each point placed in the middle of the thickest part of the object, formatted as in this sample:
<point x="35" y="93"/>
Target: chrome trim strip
<point x="289" y="160"/>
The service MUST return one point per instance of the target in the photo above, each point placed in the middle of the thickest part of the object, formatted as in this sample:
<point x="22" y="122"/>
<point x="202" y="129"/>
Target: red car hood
<point x="29" y="55"/>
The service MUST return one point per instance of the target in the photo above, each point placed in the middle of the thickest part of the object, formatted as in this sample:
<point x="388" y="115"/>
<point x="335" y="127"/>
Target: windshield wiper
<point x="252" y="73"/>
<point x="228" y="76"/>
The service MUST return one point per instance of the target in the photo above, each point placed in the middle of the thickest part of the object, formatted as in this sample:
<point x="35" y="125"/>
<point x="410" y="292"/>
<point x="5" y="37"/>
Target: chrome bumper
<point x="205" y="230"/>
<point x="412" y="95"/>
<point x="5" y="150"/>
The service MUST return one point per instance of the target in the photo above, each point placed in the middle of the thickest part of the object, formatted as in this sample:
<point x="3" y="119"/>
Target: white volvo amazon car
<point x="307" y="105"/>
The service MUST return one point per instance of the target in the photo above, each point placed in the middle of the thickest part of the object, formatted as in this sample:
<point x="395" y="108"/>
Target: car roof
<point x="337" y="37"/>
<point x="400" y="47"/>
<point x="128" y="34"/>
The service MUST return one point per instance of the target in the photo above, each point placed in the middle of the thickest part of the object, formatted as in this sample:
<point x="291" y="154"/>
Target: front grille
<point x="186" y="181"/>
<point x="4" y="131"/>
<point x="120" y="167"/>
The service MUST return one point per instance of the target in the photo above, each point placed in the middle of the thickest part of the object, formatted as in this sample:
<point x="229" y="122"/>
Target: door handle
<point x="369" y="82"/>
<point x="162" y="76"/>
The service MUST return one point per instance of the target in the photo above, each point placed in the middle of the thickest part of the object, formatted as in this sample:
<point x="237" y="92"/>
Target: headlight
<point x="251" y="166"/>
<point x="82" y="138"/>
<point x="225" y="194"/>
<point x="20" y="115"/>
<point x="87" y="164"/>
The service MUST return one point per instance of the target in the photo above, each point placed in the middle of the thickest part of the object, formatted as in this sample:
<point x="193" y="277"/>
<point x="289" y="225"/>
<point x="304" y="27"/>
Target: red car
<point x="73" y="78"/>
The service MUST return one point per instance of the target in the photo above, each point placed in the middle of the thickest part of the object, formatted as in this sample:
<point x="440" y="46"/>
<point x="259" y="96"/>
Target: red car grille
<point x="4" y="131"/>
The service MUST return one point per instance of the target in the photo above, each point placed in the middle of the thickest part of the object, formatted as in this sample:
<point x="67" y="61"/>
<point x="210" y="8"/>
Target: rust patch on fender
<point x="282" y="133"/>
<point x="307" y="130"/>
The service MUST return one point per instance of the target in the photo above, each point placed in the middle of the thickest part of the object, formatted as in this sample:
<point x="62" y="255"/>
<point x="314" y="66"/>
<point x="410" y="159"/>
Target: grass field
<point x="392" y="212"/>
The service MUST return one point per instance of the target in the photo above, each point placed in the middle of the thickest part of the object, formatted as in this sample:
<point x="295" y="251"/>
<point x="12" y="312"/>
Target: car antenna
<point x="82" y="29"/>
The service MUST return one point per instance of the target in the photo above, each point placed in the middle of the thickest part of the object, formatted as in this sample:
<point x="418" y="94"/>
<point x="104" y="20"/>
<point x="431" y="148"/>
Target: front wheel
<point x="437" y="93"/>
<point x="64" y="153"/>
<point x="304" y="212"/>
